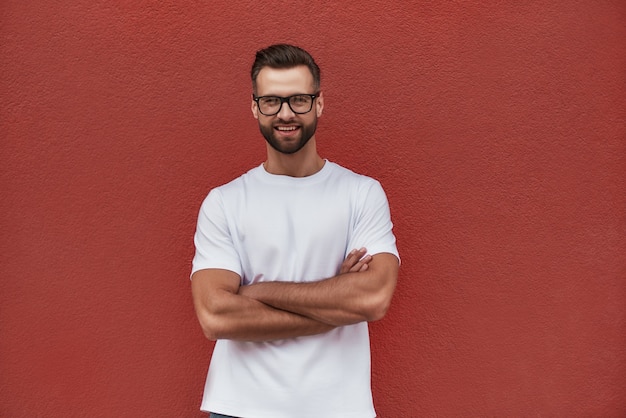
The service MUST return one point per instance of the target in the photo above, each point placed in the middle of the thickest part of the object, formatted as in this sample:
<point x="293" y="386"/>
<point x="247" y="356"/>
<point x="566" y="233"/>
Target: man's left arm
<point x="349" y="297"/>
<point x="345" y="299"/>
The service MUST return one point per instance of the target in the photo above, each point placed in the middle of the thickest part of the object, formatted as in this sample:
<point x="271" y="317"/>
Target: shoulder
<point x="230" y="191"/>
<point x="354" y="180"/>
<point x="238" y="183"/>
<point x="346" y="173"/>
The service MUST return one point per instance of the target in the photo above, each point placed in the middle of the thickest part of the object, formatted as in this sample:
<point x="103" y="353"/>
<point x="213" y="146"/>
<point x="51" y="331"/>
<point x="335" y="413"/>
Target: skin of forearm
<point x="240" y="318"/>
<point x="341" y="300"/>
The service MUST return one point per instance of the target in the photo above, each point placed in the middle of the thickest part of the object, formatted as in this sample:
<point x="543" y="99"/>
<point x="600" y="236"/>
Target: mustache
<point x="280" y="121"/>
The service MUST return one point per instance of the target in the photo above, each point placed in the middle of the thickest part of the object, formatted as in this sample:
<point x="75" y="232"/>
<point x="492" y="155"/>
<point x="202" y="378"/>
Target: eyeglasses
<point x="298" y="103"/>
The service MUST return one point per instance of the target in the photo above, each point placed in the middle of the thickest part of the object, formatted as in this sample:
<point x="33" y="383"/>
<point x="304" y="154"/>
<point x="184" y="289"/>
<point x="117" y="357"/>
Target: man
<point x="281" y="277"/>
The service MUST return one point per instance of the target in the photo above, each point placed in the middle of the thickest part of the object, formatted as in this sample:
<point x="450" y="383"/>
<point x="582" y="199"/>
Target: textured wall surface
<point x="498" y="129"/>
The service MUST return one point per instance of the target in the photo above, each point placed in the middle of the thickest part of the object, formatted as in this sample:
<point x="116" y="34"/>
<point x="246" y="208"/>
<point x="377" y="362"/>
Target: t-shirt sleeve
<point x="213" y="240"/>
<point x="373" y="228"/>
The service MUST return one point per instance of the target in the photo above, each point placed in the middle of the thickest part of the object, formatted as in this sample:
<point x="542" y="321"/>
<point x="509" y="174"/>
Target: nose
<point x="285" y="112"/>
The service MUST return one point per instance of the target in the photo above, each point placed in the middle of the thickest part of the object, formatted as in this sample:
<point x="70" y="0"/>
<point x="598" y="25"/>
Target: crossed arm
<point x="267" y="311"/>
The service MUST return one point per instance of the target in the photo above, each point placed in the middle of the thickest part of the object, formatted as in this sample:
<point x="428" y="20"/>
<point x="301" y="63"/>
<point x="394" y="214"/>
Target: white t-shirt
<point x="268" y="227"/>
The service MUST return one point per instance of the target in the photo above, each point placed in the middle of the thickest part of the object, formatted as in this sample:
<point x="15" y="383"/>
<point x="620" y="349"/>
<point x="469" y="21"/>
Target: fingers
<point x="361" y="265"/>
<point x="352" y="258"/>
<point x="365" y="262"/>
<point x="356" y="261"/>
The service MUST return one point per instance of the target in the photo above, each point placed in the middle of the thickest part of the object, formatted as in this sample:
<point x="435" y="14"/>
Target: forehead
<point x="284" y="81"/>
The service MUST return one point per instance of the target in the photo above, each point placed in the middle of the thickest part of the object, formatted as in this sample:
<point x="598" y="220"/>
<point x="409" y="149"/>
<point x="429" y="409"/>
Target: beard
<point x="295" y="144"/>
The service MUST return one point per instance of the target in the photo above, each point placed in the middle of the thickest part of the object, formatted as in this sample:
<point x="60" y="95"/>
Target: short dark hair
<point x="284" y="56"/>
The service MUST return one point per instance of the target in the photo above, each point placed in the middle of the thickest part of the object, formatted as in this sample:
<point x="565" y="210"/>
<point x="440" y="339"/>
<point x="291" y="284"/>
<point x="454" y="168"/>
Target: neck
<point x="303" y="163"/>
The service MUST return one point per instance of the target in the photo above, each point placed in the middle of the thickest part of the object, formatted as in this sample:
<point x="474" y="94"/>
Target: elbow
<point x="379" y="295"/>
<point x="377" y="313"/>
<point x="210" y="333"/>
<point x="213" y="318"/>
<point x="377" y="308"/>
<point x="211" y="327"/>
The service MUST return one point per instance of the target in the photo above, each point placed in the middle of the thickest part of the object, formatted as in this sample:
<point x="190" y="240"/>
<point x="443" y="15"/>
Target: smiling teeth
<point x="286" y="128"/>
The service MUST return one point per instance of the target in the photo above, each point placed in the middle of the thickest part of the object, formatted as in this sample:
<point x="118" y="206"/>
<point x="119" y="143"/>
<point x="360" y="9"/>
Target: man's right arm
<point x="223" y="314"/>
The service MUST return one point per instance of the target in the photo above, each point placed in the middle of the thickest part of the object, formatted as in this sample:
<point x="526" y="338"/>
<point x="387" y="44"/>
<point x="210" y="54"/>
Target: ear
<point x="254" y="108"/>
<point x="319" y="105"/>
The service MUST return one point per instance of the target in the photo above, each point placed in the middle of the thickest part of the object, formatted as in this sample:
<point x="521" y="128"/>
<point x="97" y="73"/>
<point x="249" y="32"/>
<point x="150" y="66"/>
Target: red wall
<point x="497" y="128"/>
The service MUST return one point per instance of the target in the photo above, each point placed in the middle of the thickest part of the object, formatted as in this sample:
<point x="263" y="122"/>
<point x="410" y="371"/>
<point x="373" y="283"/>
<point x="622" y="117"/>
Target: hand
<point x="356" y="261"/>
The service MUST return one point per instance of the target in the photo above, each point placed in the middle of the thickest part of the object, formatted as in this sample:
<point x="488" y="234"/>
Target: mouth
<point x="287" y="129"/>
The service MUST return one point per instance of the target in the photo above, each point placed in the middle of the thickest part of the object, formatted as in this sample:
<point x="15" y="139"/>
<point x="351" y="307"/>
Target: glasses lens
<point x="269" y="105"/>
<point x="301" y="103"/>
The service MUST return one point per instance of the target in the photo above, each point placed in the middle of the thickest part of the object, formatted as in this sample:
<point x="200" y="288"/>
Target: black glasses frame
<point x="284" y="100"/>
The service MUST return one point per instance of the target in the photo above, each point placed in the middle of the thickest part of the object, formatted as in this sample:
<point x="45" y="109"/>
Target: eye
<point x="301" y="100"/>
<point x="269" y="101"/>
